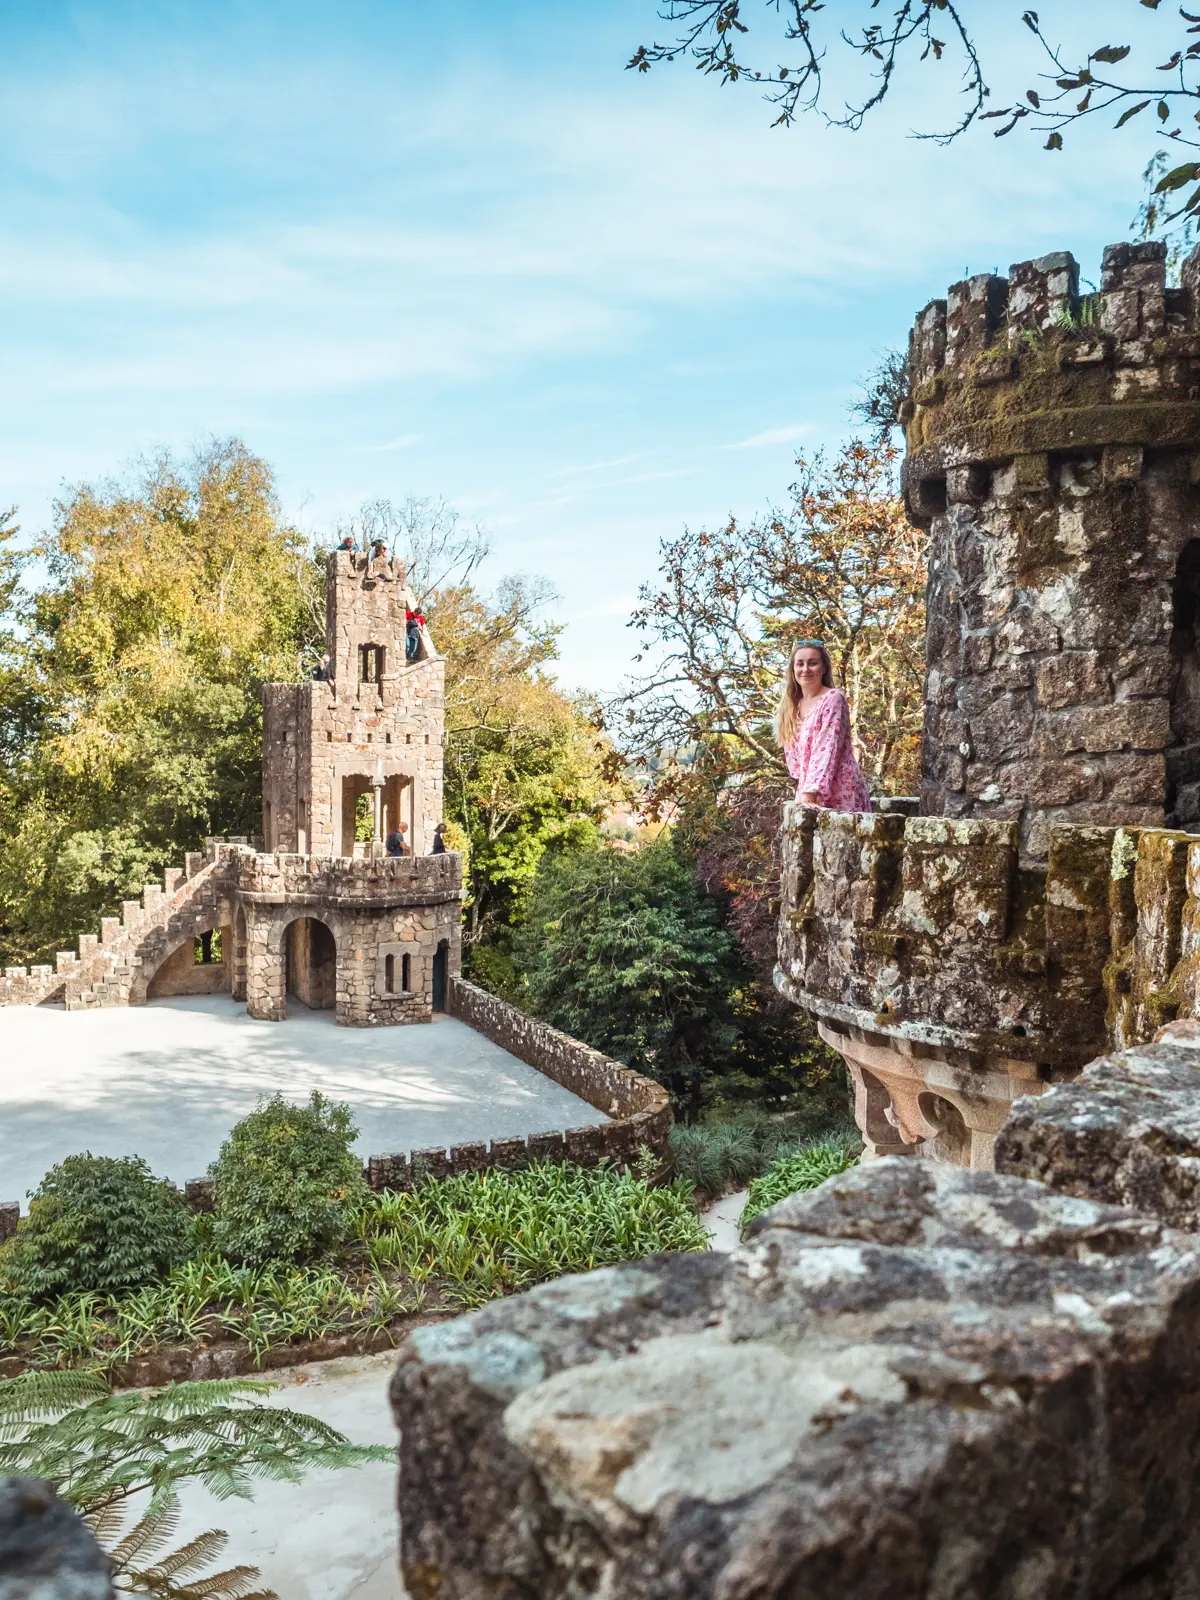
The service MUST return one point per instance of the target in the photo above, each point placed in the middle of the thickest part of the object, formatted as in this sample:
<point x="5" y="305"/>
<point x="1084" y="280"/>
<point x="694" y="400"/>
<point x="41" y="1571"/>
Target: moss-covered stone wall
<point x="1054" y="454"/>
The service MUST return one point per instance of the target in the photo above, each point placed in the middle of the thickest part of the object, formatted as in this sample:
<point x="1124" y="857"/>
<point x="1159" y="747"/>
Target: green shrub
<point x="285" y="1181"/>
<point x="726" y="1150"/>
<point x="806" y="1168"/>
<point x="98" y="1223"/>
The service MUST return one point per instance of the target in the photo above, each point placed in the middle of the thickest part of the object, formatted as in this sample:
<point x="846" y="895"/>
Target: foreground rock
<point x="1126" y="1132"/>
<point x="914" y="1382"/>
<point x="46" y="1550"/>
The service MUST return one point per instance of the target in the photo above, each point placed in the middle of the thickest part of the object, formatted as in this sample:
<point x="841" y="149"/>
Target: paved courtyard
<point x="167" y="1081"/>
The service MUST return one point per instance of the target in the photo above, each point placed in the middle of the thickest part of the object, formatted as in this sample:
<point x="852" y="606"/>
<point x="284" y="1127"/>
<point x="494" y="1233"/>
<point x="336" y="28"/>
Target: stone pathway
<point x="722" y="1221"/>
<point x="167" y="1081"/>
<point x="333" y="1536"/>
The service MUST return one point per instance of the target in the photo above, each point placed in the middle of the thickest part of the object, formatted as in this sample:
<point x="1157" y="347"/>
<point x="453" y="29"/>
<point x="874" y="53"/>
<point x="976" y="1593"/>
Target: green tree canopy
<point x="131" y="683"/>
<point x="623" y="950"/>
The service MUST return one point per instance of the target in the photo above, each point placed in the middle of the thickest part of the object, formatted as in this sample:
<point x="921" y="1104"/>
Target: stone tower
<point x="375" y="723"/>
<point x="1054" y="456"/>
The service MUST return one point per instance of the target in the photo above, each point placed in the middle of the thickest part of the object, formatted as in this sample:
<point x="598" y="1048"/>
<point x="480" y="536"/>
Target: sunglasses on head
<point x="808" y="644"/>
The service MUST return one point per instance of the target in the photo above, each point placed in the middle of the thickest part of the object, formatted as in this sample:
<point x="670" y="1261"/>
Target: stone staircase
<point x="108" y="969"/>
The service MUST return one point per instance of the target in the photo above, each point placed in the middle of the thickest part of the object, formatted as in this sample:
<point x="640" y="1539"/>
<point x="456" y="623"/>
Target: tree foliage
<point x="1121" y="81"/>
<point x="130" y="720"/>
<point x="621" y="949"/>
<point x="99" y="1450"/>
<point x="286" y="1181"/>
<point x="101" y="1223"/>
<point x="840" y="563"/>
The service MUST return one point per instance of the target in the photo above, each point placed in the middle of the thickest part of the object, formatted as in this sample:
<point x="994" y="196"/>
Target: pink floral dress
<point x="821" y="757"/>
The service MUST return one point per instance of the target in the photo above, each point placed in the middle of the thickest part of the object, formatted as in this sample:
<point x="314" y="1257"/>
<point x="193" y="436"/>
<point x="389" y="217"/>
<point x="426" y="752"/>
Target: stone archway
<point x="277" y="958"/>
<point x="198" y="963"/>
<point x="310" y="963"/>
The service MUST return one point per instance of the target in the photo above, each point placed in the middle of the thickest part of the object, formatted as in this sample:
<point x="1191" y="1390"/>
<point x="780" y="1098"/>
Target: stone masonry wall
<point x="391" y="906"/>
<point x="639" y="1107"/>
<point x="1054" y="455"/>
<point x="324" y="741"/>
<point x="911" y="1382"/>
<point x="930" y="929"/>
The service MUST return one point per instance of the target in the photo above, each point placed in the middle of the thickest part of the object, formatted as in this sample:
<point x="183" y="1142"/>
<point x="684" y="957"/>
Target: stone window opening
<point x="406" y="974"/>
<point x="389" y="975"/>
<point x="370" y="663"/>
<point x="1183" y="754"/>
<point x="206" y="949"/>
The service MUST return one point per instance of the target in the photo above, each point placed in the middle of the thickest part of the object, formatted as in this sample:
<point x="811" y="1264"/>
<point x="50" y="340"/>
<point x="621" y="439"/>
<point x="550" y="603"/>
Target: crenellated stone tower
<point x="376" y="721"/>
<point x="1054" y="456"/>
<point x="970" y="948"/>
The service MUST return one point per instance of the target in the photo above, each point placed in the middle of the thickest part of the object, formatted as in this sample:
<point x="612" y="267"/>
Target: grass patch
<point x="454" y="1243"/>
<point x="805" y="1168"/>
<point x="727" y="1150"/>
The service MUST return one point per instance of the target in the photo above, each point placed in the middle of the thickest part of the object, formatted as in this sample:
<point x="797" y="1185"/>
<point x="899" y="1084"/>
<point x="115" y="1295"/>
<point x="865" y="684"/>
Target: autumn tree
<point x="131" y="683"/>
<point x="840" y="563"/>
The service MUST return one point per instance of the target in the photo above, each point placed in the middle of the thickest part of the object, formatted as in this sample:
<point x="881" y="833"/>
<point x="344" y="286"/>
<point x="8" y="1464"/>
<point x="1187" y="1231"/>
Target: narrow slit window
<point x="389" y="975"/>
<point x="370" y="663"/>
<point x="406" y="974"/>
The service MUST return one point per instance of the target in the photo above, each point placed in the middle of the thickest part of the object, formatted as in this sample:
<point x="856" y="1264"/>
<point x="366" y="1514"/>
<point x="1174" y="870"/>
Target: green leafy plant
<point x="100" y="1449"/>
<point x="462" y="1239"/>
<point x="806" y="1168"/>
<point x="285" y="1181"/>
<point x="727" y="1149"/>
<point x="96" y="1222"/>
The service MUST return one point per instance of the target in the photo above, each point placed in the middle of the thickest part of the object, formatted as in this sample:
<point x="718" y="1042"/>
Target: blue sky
<point x="456" y="250"/>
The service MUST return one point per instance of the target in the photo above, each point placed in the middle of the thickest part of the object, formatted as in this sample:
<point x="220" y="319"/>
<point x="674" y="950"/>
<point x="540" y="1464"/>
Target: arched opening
<point x="406" y="974"/>
<point x="389" y="975"/>
<point x="1183" y="755"/>
<point x="200" y="965"/>
<point x="310" y="958"/>
<point x="441" y="961"/>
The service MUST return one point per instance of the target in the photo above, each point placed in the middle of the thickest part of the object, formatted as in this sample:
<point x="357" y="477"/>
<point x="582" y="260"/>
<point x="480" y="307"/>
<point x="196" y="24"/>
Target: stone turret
<point x="976" y="953"/>
<point x="1054" y="456"/>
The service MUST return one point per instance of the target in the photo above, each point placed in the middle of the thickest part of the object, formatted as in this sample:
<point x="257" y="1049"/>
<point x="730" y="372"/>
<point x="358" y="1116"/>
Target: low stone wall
<point x="929" y="928"/>
<point x="914" y="1381"/>
<point x="639" y="1107"/>
<point x="30" y="986"/>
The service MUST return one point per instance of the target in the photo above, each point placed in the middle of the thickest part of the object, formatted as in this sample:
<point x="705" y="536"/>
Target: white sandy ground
<point x="333" y="1537"/>
<point x="167" y="1081"/>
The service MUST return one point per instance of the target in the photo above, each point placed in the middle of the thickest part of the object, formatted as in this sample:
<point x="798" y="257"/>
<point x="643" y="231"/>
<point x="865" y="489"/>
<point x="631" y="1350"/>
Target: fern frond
<point x="190" y="1558"/>
<point x="31" y="1396"/>
<point x="147" y="1536"/>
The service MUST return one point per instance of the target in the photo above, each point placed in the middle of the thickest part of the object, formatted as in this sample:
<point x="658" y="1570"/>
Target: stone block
<point x="1124" y="725"/>
<point x="1126" y="1132"/>
<point x="47" y="1551"/>
<point x="10" y="1215"/>
<point x="1074" y="678"/>
<point x="1137" y="778"/>
<point x="912" y="1382"/>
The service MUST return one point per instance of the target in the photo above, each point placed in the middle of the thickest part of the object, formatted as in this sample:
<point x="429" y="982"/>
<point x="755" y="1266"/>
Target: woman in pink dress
<point x="812" y="724"/>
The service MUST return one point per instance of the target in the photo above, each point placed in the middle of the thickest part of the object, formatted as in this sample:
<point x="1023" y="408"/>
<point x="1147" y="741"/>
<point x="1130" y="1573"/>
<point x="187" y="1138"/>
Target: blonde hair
<point x="787" y="712"/>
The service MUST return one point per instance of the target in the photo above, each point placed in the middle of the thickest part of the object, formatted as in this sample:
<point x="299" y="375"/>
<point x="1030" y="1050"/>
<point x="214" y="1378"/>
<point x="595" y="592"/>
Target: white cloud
<point x="785" y="435"/>
<point x="405" y="442"/>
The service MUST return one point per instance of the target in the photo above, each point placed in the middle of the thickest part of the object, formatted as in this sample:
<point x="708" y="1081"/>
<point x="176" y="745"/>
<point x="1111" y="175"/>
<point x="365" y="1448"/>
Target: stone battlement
<point x="929" y="928"/>
<point x="342" y="880"/>
<point x="1008" y="368"/>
